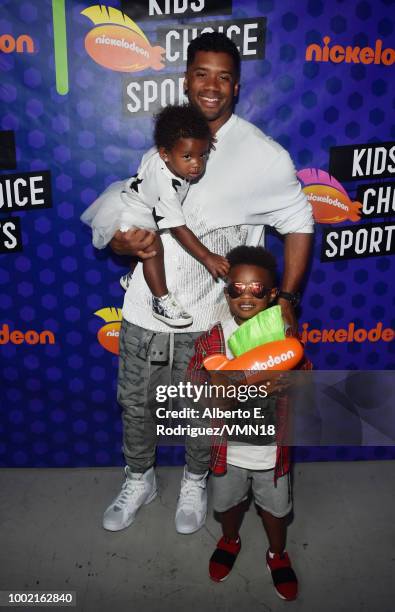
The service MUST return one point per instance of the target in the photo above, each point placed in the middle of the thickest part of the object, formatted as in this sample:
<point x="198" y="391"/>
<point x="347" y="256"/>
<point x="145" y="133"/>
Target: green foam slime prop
<point x="266" y="326"/>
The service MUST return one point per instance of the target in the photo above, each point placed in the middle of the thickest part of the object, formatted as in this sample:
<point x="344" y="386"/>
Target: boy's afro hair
<point x="217" y="42"/>
<point x="175" y="122"/>
<point x="254" y="256"/>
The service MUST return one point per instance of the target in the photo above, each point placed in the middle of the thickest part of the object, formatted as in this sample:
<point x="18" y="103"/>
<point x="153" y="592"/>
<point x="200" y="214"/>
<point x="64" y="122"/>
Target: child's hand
<point x="217" y="265"/>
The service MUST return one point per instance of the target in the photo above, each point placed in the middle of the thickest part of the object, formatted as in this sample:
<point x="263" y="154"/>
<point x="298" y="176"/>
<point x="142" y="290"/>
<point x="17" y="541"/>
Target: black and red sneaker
<point x="283" y="576"/>
<point x="223" y="558"/>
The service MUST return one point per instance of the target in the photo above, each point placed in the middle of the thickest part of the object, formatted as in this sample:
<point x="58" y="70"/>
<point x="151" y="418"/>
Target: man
<point x="249" y="182"/>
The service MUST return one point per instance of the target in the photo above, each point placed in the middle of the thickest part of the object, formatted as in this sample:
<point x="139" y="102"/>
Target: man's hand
<point x="135" y="242"/>
<point x="289" y="317"/>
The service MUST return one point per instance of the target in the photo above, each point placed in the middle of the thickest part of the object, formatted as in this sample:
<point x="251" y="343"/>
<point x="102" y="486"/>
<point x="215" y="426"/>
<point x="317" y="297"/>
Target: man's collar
<point x="225" y="127"/>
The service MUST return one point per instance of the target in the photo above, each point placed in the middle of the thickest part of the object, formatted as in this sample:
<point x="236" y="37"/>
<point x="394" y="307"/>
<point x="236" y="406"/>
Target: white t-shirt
<point x="249" y="182"/>
<point x="153" y="196"/>
<point x="242" y="454"/>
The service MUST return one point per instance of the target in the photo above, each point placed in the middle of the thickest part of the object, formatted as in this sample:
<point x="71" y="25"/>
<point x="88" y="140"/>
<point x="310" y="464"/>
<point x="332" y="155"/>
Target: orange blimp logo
<point x="108" y="335"/>
<point x="328" y="198"/>
<point x="279" y="355"/>
<point x="118" y="43"/>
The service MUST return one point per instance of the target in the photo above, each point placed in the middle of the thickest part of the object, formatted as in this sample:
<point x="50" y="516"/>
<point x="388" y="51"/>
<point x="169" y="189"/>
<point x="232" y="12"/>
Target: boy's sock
<point x="223" y="558"/>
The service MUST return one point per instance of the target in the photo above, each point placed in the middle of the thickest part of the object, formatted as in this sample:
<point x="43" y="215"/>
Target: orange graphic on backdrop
<point x="22" y="44"/>
<point x="108" y="335"/>
<point x="355" y="55"/>
<point x="329" y="199"/>
<point x="118" y="43"/>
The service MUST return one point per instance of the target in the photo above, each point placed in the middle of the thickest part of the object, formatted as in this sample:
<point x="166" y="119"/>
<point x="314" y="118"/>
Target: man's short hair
<point x="174" y="122"/>
<point x="254" y="256"/>
<point x="217" y="42"/>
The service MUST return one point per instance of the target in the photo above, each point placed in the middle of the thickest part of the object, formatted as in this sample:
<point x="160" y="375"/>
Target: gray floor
<point x="341" y="541"/>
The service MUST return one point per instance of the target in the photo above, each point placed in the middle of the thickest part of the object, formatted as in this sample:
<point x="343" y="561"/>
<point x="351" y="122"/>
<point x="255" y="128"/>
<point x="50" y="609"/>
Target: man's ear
<point x="185" y="83"/>
<point x="236" y="89"/>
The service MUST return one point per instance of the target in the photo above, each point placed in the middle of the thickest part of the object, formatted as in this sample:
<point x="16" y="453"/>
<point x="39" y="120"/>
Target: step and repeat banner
<point x="79" y="84"/>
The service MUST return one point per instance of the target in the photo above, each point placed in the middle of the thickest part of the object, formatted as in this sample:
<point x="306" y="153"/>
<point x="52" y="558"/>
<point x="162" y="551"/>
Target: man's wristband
<point x="292" y="298"/>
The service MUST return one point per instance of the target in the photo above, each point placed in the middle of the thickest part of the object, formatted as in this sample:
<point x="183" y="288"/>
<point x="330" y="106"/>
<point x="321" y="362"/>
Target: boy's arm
<point x="190" y="242"/>
<point x="215" y="264"/>
<point x="210" y="342"/>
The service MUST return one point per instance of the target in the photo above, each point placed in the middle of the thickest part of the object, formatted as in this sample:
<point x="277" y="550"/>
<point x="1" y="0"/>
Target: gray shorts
<point x="232" y="488"/>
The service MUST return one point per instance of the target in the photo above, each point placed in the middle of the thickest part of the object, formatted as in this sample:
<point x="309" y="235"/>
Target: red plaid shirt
<point x="212" y="342"/>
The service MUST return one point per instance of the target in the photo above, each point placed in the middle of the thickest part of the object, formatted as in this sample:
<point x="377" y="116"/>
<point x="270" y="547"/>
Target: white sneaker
<point x="137" y="490"/>
<point x="124" y="281"/>
<point x="192" y="503"/>
<point x="168" y="310"/>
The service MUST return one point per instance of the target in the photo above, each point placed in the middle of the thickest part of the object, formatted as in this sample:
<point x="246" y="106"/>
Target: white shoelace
<point x="131" y="488"/>
<point x="190" y="492"/>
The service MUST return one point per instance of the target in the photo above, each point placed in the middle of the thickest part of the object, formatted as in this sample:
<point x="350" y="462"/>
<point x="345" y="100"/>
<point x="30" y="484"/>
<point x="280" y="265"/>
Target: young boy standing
<point x="265" y="467"/>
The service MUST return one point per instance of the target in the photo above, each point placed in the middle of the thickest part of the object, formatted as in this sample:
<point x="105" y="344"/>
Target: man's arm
<point x="297" y="249"/>
<point x="292" y="216"/>
<point x="134" y="242"/>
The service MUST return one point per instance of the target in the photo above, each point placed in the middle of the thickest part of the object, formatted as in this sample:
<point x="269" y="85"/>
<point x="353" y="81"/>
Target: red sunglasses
<point x="256" y="289"/>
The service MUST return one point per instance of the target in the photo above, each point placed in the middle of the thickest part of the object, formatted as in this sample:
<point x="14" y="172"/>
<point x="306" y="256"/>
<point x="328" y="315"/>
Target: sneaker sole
<point x="173" y="322"/>
<point x="221" y="580"/>
<point x="151" y="497"/>
<point x="195" y="530"/>
<point x="131" y="519"/>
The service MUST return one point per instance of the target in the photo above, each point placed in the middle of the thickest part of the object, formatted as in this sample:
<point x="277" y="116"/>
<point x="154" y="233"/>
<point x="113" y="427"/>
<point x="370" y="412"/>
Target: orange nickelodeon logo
<point x="29" y="337"/>
<point x="349" y="334"/>
<point x="328" y="198"/>
<point x="351" y="55"/>
<point x="108" y="335"/>
<point x="118" y="43"/>
<point x="22" y="44"/>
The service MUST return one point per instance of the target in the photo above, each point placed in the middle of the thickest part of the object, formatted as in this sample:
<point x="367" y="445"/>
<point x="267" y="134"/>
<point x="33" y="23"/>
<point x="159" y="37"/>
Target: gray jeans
<point x="148" y="359"/>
